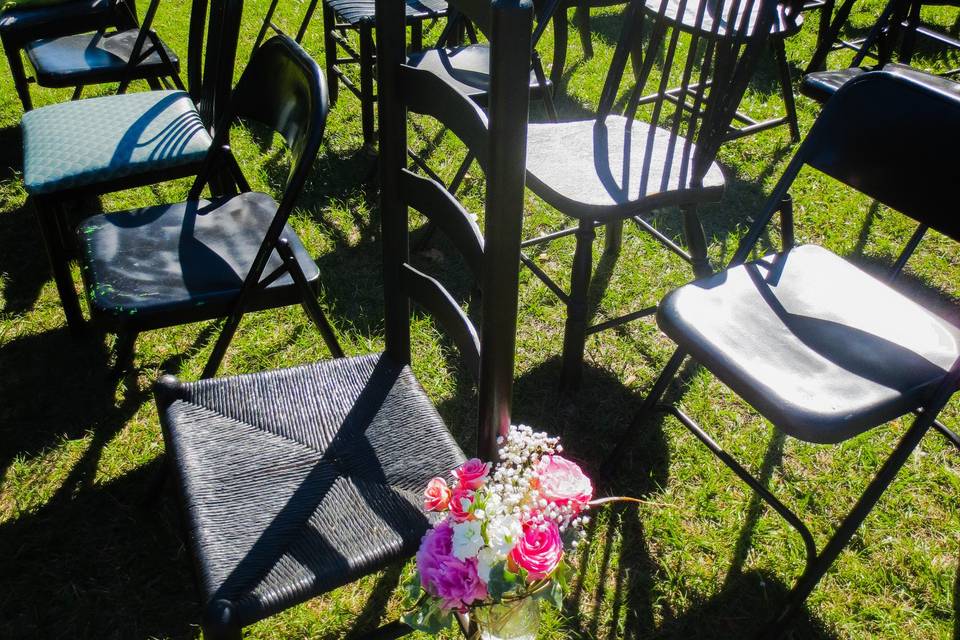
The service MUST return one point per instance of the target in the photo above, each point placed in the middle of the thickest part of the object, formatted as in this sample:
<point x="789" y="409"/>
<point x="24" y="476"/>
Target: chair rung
<point x="942" y="38"/>
<point x="621" y="320"/>
<point x="547" y="280"/>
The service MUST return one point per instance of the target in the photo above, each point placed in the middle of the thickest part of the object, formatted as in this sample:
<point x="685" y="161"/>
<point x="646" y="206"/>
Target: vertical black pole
<point x="391" y="42"/>
<point x="512" y="28"/>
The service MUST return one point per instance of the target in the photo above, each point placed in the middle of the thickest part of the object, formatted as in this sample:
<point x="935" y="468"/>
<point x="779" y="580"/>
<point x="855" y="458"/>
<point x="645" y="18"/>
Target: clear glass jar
<point x="511" y="620"/>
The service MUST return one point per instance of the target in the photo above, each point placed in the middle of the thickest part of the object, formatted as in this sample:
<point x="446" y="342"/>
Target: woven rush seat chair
<point x="106" y="56"/>
<point x="616" y="167"/>
<point x="206" y="259"/>
<point x="819" y="348"/>
<point x="100" y="145"/>
<point x="300" y="480"/>
<point x="22" y="25"/>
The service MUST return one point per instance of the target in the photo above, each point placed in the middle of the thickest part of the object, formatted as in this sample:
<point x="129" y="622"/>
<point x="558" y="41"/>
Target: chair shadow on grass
<point x="95" y="567"/>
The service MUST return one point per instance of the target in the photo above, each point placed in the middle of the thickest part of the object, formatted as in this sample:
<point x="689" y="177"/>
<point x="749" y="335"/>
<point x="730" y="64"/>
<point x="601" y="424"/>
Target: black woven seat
<point x="93" y="58"/>
<point x="327" y="463"/>
<point x="184" y="261"/>
<point x="358" y="12"/>
<point x="820" y="348"/>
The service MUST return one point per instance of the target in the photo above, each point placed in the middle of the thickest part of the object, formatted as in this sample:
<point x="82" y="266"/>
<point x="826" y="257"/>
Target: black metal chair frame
<point x="817" y="563"/>
<point x="709" y="119"/>
<point x="899" y="20"/>
<point x="494" y="257"/>
<point x="208" y="93"/>
<point x="303" y="133"/>
<point x="170" y="76"/>
<point x="335" y="40"/>
<point x="116" y="15"/>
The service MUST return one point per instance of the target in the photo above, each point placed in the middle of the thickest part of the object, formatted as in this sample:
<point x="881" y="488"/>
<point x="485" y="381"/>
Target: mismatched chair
<point x="819" y="348"/>
<point x="298" y="481"/>
<point x="207" y="259"/>
<point x="20" y="26"/>
<point x="129" y="140"/>
<point x="617" y="167"/>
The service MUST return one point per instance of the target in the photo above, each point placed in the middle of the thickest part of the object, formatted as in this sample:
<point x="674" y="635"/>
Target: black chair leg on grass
<point x="123" y="353"/>
<point x="366" y="84"/>
<point x="20" y="82"/>
<point x="310" y="304"/>
<point x="786" y="87"/>
<point x="696" y="242"/>
<point x="841" y="537"/>
<point x="560" y="34"/>
<point x="48" y="215"/>
<point x="582" y="18"/>
<point x="575" y="331"/>
<point x="330" y="53"/>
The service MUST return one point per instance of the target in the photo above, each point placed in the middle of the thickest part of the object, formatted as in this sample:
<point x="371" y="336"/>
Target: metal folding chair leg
<point x="575" y="331"/>
<point x="20" y="82"/>
<point x="50" y="219"/>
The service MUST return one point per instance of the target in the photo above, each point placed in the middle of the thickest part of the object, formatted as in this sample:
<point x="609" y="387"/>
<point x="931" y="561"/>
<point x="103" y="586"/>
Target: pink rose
<point x="437" y="495"/>
<point x="472" y="473"/>
<point x="539" y="550"/>
<point x="459" y="584"/>
<point x="460" y="504"/>
<point x="563" y="483"/>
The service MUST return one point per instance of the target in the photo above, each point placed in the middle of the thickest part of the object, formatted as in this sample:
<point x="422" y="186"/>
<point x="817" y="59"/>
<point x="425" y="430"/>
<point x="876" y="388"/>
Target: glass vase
<point x="511" y="620"/>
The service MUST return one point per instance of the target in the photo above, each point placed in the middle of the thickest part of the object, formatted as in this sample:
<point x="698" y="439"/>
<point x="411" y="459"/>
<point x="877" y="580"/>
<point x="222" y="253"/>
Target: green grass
<point x="80" y="558"/>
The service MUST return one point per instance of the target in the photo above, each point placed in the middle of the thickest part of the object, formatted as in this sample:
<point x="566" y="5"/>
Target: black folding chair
<point x="207" y="259"/>
<point x="340" y="17"/>
<point x="298" y="481"/>
<point x="618" y="167"/>
<point x="105" y="56"/>
<point x="111" y="143"/>
<point x="20" y="26"/>
<point x="822" y="350"/>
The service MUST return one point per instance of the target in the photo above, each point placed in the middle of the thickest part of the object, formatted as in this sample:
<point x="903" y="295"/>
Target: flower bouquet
<point x="499" y="548"/>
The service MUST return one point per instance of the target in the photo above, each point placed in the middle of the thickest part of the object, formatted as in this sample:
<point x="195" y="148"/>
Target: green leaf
<point x="429" y="617"/>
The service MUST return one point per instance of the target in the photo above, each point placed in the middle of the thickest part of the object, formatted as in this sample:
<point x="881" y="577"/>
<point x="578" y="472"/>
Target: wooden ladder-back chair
<point x="297" y="481"/>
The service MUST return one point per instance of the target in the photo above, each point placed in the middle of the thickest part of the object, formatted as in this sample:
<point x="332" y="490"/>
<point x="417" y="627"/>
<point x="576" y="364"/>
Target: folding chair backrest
<point x="494" y="258"/>
<point x="894" y="138"/>
<point x="211" y="54"/>
<point x="704" y="53"/>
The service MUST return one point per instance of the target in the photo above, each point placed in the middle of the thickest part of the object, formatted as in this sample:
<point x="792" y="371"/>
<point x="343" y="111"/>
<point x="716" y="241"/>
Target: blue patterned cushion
<point x="83" y="143"/>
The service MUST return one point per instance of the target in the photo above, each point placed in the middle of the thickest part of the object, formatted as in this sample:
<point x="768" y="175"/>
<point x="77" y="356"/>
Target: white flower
<point x="485" y="561"/>
<point x="503" y="533"/>
<point x="467" y="539"/>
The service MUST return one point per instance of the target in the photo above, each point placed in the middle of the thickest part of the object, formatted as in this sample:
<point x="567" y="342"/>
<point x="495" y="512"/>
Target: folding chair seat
<point x="21" y="25"/>
<point x="97" y="58"/>
<point x="821" y="349"/>
<point x="183" y="262"/>
<point x="111" y="143"/>
<point x="207" y="259"/>
<point x="296" y="481"/>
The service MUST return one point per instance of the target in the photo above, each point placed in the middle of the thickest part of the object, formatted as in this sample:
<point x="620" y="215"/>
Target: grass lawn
<point x="80" y="556"/>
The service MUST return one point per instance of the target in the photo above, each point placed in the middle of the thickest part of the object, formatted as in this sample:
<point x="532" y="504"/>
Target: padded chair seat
<point x="364" y="11"/>
<point x="94" y="58"/>
<point x="823" y="350"/>
<point x="821" y="85"/>
<point x="27" y="23"/>
<point x="297" y="481"/>
<point x="578" y="169"/>
<point x="467" y="68"/>
<point x="76" y="145"/>
<point x="189" y="257"/>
